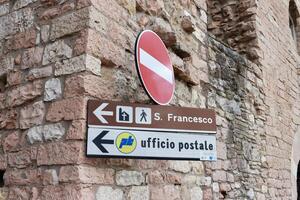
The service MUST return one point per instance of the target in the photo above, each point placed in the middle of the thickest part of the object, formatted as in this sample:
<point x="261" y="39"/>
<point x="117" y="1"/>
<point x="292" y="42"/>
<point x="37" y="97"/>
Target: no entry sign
<point x="130" y="130"/>
<point x="154" y="67"/>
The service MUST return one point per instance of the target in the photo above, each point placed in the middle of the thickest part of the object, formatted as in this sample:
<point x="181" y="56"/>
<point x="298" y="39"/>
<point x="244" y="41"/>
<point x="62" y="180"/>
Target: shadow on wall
<point x="295" y="162"/>
<point x="298" y="181"/>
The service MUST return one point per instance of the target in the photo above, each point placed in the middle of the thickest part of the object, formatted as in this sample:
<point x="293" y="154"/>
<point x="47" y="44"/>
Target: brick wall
<point x="57" y="54"/>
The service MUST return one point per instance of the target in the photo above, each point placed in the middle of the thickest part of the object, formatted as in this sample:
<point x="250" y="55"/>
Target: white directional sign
<point x="150" y="144"/>
<point x="130" y="130"/>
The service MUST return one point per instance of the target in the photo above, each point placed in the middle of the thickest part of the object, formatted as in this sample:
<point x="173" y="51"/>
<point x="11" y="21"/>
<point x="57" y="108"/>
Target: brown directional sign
<point x="119" y="115"/>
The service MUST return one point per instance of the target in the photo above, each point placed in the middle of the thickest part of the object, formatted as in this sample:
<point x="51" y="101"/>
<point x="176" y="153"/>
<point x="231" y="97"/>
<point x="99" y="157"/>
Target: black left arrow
<point x="98" y="141"/>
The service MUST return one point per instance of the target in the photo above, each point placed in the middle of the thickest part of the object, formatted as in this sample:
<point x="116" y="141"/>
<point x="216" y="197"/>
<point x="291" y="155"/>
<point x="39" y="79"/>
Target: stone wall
<point x="57" y="54"/>
<point x="234" y="22"/>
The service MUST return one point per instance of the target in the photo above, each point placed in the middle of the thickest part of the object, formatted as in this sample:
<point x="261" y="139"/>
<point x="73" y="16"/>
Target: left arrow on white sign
<point x="99" y="113"/>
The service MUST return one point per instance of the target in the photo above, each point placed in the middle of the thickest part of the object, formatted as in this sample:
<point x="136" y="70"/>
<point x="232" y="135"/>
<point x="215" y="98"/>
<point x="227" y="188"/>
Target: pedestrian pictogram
<point x="143" y="115"/>
<point x="154" y="67"/>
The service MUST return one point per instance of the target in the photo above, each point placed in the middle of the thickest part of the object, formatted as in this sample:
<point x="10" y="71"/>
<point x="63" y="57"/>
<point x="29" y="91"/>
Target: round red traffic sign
<point x="154" y="67"/>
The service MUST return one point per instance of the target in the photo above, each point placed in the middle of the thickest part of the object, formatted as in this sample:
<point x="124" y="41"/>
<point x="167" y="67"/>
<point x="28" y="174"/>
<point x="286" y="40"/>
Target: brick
<point x="32" y="115"/>
<point x="22" y="177"/>
<point x="52" y="89"/>
<point x="56" y="51"/>
<point x="59" y="153"/>
<point x="9" y="119"/>
<point x="86" y="175"/>
<point x="37" y="73"/>
<point x="78" y="64"/>
<point x="21" y="94"/>
<point x="32" y="57"/>
<point x="67" y="109"/>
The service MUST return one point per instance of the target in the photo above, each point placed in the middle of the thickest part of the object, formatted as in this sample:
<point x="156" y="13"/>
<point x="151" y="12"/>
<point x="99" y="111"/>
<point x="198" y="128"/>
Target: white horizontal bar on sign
<point x="151" y="129"/>
<point x="154" y="65"/>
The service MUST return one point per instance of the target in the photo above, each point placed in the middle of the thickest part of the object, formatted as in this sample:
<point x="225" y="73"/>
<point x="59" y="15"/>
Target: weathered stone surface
<point x="50" y="177"/>
<point x="76" y="130"/>
<point x="22" y="40"/>
<point x="53" y="131"/>
<point x="52" y="89"/>
<point x="152" y="7"/>
<point x="108" y="52"/>
<point x="187" y="23"/>
<point x="20" y="159"/>
<point x="164" y="192"/>
<point x="196" y="193"/>
<point x="32" y="57"/>
<point x="16" y="21"/>
<point x="59" y="153"/>
<point x="139" y="192"/>
<point x="3" y="162"/>
<point x="69" y="23"/>
<point x="21" y="94"/>
<point x="56" y="51"/>
<point x="9" y="119"/>
<point x="180" y="166"/>
<point x="7" y="63"/>
<point x="11" y="142"/>
<point x="164" y="30"/>
<point x="87" y="175"/>
<point x="14" y="77"/>
<point x="21" y="177"/>
<point x="4" y="9"/>
<point x="37" y="73"/>
<point x="67" y="109"/>
<point x="22" y="3"/>
<point x="53" y="192"/>
<point x="78" y="64"/>
<point x="126" y="178"/>
<point x="35" y="134"/>
<point x="108" y="193"/>
<point x="32" y="115"/>
<point x="48" y="132"/>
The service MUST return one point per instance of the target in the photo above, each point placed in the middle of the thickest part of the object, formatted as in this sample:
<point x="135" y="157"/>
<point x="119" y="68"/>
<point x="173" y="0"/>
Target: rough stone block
<point x="37" y="73"/>
<point x="78" y="64"/>
<point x="126" y="178"/>
<point x="32" y="57"/>
<point x="108" y="193"/>
<point x="21" y="94"/>
<point x="21" y="177"/>
<point x="32" y="115"/>
<point x="50" y="177"/>
<point x="52" y="89"/>
<point x="9" y="119"/>
<point x="76" y="130"/>
<point x="22" y="3"/>
<point x="139" y="192"/>
<point x="56" y="51"/>
<point x="59" y="153"/>
<point x="19" y="159"/>
<point x="69" y="23"/>
<point x="67" y="109"/>
<point x="87" y="175"/>
<point x="53" y="192"/>
<point x="4" y="9"/>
